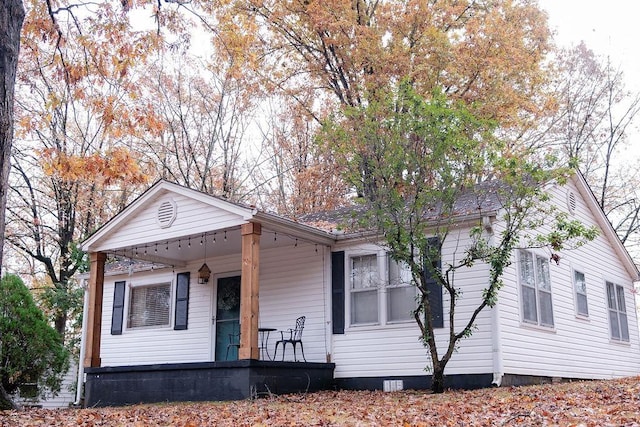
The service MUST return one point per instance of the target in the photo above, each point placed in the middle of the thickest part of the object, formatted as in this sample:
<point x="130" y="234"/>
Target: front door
<point x="227" y="318"/>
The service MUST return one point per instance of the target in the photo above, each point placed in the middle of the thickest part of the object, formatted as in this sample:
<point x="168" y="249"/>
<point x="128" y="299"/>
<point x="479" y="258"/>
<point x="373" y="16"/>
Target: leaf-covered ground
<point x="590" y="403"/>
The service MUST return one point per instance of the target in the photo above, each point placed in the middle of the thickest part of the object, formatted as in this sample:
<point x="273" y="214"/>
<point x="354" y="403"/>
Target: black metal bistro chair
<point x="234" y="341"/>
<point x="293" y="337"/>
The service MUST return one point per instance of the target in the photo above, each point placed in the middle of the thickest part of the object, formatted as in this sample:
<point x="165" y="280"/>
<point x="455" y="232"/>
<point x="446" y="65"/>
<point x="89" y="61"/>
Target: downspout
<point x="498" y="369"/>
<point x="85" y="314"/>
<point x="496" y="342"/>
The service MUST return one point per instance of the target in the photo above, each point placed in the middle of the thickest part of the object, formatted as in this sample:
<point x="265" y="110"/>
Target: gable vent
<point x="571" y="202"/>
<point x="166" y="213"/>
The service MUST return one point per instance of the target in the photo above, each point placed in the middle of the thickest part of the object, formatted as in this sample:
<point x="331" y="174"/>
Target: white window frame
<point x="538" y="290"/>
<point x="383" y="295"/>
<point x="148" y="284"/>
<point x="577" y="293"/>
<point x="616" y="311"/>
<point x="353" y="292"/>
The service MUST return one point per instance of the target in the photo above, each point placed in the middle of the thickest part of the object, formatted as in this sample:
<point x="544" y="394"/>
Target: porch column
<point x="249" y="291"/>
<point x="94" y="320"/>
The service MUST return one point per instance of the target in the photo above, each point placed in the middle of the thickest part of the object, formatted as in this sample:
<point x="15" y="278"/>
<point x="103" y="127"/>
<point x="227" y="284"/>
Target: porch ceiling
<point x="199" y="247"/>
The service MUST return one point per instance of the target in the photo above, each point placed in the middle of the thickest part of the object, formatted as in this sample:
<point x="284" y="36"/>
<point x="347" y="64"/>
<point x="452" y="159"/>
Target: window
<point x="535" y="284"/>
<point x="401" y="292"/>
<point x="149" y="305"/>
<point x="382" y="291"/>
<point x="580" y="287"/>
<point x="365" y="281"/>
<point x="617" y="312"/>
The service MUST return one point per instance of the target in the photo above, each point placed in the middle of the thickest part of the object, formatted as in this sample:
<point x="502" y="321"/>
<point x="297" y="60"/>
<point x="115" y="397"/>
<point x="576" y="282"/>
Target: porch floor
<point x="203" y="381"/>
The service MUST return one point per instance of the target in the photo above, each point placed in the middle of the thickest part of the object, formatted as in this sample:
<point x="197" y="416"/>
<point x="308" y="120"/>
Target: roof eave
<point x="284" y="225"/>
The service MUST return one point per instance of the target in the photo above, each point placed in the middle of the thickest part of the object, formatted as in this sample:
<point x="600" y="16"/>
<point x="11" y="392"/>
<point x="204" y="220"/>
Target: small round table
<point x="264" y="341"/>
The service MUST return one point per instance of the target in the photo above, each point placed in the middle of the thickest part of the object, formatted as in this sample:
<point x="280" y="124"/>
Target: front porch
<point x="172" y="332"/>
<point x="206" y="381"/>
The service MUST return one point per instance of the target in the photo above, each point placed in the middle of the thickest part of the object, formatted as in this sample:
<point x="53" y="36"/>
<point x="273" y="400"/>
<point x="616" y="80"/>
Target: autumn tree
<point x="324" y="55"/>
<point x="424" y="157"/>
<point x="77" y="112"/>
<point x="489" y="52"/>
<point x="203" y="112"/>
<point x="592" y="122"/>
<point x="296" y="176"/>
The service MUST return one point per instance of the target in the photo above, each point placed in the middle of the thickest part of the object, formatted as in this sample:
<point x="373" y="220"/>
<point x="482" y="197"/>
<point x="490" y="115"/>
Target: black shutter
<point x="118" y="308"/>
<point x="337" y="292"/>
<point x="182" y="301"/>
<point x="433" y="287"/>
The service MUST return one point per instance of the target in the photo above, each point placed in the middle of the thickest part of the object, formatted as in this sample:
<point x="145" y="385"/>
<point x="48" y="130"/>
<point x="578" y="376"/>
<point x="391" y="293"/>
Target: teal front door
<point x="227" y="318"/>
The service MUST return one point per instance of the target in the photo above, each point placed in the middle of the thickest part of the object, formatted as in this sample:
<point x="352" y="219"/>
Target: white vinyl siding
<point x="535" y="284"/>
<point x="577" y="346"/>
<point x="617" y="312"/>
<point x="393" y="348"/>
<point x="580" y="286"/>
<point x="149" y="306"/>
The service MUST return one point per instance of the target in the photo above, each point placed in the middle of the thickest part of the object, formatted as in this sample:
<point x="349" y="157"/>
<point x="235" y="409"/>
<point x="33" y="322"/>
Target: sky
<point x="609" y="28"/>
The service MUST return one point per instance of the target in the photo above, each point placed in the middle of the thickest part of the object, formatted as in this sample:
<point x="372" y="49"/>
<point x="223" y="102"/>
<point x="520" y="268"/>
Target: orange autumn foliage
<point x="116" y="165"/>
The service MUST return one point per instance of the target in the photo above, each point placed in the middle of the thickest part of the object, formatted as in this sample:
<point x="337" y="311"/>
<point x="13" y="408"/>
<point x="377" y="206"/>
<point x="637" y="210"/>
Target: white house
<point x="158" y="329"/>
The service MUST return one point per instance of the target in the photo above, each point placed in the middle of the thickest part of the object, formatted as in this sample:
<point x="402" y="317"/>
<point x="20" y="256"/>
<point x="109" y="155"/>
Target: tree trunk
<point x="11" y="17"/>
<point x="437" y="379"/>
<point x="5" y="400"/>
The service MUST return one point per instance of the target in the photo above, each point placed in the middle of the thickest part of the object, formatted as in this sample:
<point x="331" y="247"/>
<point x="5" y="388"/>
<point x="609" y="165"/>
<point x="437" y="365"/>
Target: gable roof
<point x="605" y="225"/>
<point x="241" y="213"/>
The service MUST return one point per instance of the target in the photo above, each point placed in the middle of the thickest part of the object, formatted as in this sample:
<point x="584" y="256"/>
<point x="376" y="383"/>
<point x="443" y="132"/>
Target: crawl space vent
<point x="571" y="202"/>
<point x="166" y="213"/>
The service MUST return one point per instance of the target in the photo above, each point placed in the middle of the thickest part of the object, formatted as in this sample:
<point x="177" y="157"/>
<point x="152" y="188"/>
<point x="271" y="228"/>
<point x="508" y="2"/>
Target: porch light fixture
<point x="204" y="274"/>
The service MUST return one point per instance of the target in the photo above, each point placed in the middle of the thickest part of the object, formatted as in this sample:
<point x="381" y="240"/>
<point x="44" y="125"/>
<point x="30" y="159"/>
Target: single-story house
<point x="200" y="319"/>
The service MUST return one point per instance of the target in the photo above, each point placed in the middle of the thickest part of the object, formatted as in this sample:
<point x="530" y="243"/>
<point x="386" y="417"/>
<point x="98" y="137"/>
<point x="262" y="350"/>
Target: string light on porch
<point x="143" y="251"/>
